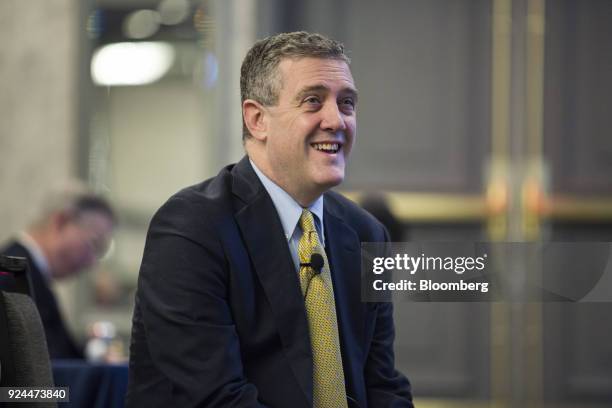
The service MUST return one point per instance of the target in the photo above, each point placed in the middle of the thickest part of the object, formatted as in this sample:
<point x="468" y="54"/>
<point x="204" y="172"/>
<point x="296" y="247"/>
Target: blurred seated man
<point x="71" y="232"/>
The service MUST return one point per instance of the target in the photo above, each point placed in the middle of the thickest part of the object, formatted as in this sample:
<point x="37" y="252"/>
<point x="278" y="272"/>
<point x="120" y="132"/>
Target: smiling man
<point x="249" y="289"/>
<point x="301" y="139"/>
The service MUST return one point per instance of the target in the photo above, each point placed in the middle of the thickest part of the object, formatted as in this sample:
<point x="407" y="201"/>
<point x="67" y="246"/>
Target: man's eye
<point x="312" y="100"/>
<point x="348" y="101"/>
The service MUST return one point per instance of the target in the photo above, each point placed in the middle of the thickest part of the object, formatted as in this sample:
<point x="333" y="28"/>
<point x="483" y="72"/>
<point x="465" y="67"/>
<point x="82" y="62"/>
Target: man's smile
<point x="327" y="147"/>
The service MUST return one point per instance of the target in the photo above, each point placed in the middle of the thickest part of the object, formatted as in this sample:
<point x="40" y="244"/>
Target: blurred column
<point x="515" y="190"/>
<point x="236" y="27"/>
<point x="38" y="102"/>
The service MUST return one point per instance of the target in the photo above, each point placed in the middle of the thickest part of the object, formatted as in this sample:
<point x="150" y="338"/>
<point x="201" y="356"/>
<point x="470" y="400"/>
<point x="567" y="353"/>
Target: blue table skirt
<point x="91" y="385"/>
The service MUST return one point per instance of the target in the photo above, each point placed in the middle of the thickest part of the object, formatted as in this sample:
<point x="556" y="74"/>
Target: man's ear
<point x="255" y="119"/>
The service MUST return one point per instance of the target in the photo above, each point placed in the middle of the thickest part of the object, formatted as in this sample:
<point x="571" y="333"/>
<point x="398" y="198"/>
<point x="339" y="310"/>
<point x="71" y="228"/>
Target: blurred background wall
<point x="39" y="102"/>
<point x="478" y="120"/>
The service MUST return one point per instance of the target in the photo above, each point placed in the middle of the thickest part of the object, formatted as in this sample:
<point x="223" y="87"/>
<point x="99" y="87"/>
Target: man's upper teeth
<point x="326" y="146"/>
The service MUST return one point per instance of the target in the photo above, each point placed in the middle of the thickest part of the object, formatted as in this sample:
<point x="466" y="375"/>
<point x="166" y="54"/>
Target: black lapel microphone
<point x="316" y="263"/>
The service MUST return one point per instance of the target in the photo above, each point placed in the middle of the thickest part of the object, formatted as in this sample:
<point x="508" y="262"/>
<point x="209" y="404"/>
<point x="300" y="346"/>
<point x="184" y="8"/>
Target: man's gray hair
<point x="72" y="198"/>
<point x="259" y="79"/>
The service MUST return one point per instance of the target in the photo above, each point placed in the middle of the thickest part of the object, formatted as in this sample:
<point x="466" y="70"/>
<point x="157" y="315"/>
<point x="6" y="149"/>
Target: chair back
<point x="24" y="359"/>
<point x="15" y="275"/>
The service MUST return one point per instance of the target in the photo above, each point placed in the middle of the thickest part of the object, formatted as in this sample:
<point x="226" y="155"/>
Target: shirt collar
<point x="38" y="257"/>
<point x="288" y="209"/>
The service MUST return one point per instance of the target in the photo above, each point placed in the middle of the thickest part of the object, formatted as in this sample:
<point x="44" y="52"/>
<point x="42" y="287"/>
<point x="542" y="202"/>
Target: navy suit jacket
<point x="59" y="341"/>
<point x="220" y="319"/>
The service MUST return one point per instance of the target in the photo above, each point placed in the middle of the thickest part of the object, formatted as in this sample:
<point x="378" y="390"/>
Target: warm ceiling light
<point x="131" y="63"/>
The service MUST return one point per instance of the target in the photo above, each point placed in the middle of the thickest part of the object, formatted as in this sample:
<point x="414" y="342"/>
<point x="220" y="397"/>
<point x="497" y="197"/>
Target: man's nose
<point x="333" y="119"/>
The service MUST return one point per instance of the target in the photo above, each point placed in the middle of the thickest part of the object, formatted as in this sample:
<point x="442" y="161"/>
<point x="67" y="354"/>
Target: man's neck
<point x="303" y="198"/>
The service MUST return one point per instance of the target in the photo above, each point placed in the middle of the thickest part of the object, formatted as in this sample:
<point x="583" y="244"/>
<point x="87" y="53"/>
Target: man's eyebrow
<point x="322" y="88"/>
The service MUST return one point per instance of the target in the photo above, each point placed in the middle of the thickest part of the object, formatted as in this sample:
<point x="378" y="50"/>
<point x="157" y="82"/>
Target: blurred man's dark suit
<point x="59" y="341"/>
<point x="220" y="319"/>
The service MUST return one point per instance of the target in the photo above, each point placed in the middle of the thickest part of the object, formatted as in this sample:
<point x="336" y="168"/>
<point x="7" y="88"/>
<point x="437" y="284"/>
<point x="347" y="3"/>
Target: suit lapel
<point x="343" y="248"/>
<point x="263" y="234"/>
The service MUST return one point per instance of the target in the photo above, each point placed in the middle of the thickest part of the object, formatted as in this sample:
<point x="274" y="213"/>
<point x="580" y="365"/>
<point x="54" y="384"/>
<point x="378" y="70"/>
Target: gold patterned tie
<point x="328" y="376"/>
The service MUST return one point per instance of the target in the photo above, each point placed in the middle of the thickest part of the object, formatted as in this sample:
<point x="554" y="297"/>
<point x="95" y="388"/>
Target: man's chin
<point x="330" y="182"/>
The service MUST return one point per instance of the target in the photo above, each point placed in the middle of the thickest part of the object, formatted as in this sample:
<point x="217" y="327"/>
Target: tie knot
<point x="307" y="221"/>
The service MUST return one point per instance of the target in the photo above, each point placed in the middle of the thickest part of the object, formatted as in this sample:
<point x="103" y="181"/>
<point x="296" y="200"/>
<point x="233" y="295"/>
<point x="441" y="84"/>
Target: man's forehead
<point x="289" y="64"/>
<point x="316" y="74"/>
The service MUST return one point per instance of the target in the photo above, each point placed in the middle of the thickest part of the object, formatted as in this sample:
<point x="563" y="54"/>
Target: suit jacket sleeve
<point x="182" y="293"/>
<point x="386" y="387"/>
